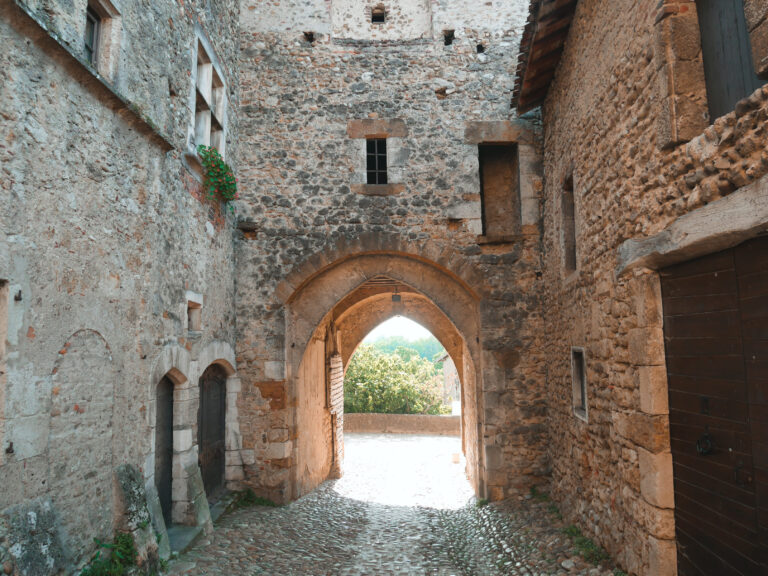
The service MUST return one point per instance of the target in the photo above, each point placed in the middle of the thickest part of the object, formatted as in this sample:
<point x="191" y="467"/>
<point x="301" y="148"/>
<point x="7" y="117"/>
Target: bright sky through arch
<point x="398" y="326"/>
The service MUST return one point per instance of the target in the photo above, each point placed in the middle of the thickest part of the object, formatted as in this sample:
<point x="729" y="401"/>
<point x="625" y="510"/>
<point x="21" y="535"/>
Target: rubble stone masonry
<point x="637" y="166"/>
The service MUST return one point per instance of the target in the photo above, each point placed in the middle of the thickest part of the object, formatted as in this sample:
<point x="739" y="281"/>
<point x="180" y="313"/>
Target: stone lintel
<point x="499" y="131"/>
<point x="717" y="226"/>
<point x="378" y="189"/>
<point x="377" y="128"/>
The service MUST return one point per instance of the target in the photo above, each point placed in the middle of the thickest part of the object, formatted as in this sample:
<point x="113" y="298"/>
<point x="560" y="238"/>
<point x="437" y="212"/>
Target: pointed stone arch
<point x="323" y="296"/>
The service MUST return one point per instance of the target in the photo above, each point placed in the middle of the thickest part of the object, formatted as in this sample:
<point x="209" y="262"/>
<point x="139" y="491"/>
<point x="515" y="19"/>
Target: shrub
<point x="120" y="557"/>
<point x="400" y="383"/>
<point x="219" y="181"/>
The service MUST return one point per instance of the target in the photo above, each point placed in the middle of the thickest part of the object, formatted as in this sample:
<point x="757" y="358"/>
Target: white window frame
<point x="209" y="100"/>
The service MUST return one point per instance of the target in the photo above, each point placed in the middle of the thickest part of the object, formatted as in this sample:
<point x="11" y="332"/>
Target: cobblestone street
<point x="403" y="507"/>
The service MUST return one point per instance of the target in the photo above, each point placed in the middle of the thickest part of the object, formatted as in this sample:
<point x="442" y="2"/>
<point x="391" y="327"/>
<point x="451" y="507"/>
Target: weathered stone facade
<point x="103" y="233"/>
<point x="626" y="118"/>
<point x="110" y="249"/>
<point x="316" y="231"/>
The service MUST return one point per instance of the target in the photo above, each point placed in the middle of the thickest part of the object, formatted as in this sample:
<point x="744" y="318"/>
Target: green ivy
<point x="120" y="558"/>
<point x="219" y="181"/>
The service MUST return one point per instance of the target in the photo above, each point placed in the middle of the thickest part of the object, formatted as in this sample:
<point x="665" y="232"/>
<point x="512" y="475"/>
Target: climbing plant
<point x="218" y="179"/>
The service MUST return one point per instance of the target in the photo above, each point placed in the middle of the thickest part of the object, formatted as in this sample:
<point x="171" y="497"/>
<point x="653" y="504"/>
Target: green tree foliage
<point x="400" y="383"/>
<point x="427" y="348"/>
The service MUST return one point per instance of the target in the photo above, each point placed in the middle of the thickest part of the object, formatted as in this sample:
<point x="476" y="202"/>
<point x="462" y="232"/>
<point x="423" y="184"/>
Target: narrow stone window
<point x="727" y="54"/>
<point x="194" y="311"/>
<point x="378" y="14"/>
<point x="448" y="37"/>
<point x="194" y="316"/>
<point x="579" y="382"/>
<point x="499" y="189"/>
<point x="210" y="103"/>
<point x="480" y="48"/>
<point x="101" y="37"/>
<point x="92" y="26"/>
<point x="376" y="160"/>
<point x="569" y="226"/>
<point x="309" y="37"/>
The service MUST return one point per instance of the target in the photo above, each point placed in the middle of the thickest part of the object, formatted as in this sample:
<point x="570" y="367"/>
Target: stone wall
<point x="303" y="215"/>
<point x="612" y="474"/>
<point x="402" y="424"/>
<point x="103" y="233"/>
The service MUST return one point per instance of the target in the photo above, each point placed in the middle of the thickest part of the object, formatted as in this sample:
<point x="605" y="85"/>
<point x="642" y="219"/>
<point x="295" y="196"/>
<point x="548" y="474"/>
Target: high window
<point x="378" y="14"/>
<point x="92" y="29"/>
<point x="210" y="103"/>
<point x="376" y="158"/>
<point x="569" y="226"/>
<point x="579" y="382"/>
<point x="726" y="50"/>
<point x="499" y="189"/>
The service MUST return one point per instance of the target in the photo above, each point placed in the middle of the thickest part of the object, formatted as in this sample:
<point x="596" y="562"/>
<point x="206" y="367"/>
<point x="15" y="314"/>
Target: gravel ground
<point x="403" y="507"/>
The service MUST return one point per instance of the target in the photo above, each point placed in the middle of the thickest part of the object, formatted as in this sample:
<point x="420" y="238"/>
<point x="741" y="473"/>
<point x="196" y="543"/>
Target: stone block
<point x="646" y="292"/>
<point x="202" y="512"/>
<point x="35" y="543"/>
<point x="656" y="483"/>
<point x="377" y="128"/>
<point x="646" y="346"/>
<point x="28" y="434"/>
<point x="645" y="430"/>
<point x="755" y="12"/>
<point x="274" y="370"/>
<point x="759" y="40"/>
<point x="182" y="440"/>
<point x="278" y="450"/>
<point x="662" y="557"/>
<point x="654" y="391"/>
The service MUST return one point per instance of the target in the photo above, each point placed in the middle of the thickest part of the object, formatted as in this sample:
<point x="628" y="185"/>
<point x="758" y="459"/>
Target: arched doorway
<point x="384" y="286"/>
<point x="164" y="447"/>
<point x="211" y="429"/>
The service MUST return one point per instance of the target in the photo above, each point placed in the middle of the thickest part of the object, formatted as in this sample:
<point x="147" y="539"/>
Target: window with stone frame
<point x="499" y="189"/>
<point x="579" y="382"/>
<point x="568" y="207"/>
<point x="376" y="160"/>
<point x="210" y="103"/>
<point x="101" y="37"/>
<point x="727" y="54"/>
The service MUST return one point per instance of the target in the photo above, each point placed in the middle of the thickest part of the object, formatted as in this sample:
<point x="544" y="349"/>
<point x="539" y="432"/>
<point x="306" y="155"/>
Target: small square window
<point x="378" y="15"/>
<point x="448" y="37"/>
<point x="579" y="382"/>
<point x="376" y="160"/>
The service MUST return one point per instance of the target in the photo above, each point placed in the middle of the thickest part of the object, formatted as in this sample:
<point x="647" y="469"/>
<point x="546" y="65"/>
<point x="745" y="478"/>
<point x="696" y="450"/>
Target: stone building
<point x="585" y="257"/>
<point x="654" y="201"/>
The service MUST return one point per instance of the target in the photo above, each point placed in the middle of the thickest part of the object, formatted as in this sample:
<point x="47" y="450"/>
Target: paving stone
<point x="403" y="507"/>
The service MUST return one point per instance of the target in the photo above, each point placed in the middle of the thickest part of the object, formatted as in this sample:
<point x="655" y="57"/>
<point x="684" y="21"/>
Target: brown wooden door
<point x="210" y="431"/>
<point x="164" y="447"/>
<point x="716" y="339"/>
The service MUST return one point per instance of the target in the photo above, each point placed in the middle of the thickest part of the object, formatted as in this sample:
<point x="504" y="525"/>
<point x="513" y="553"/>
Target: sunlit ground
<point x="404" y="470"/>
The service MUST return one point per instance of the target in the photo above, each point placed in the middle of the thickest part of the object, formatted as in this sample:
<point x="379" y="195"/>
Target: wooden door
<point x="716" y="339"/>
<point x="727" y="54"/>
<point x="164" y="447"/>
<point x="210" y="431"/>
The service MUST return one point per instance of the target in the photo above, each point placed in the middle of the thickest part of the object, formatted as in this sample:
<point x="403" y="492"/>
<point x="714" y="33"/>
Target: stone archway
<point x="333" y="311"/>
